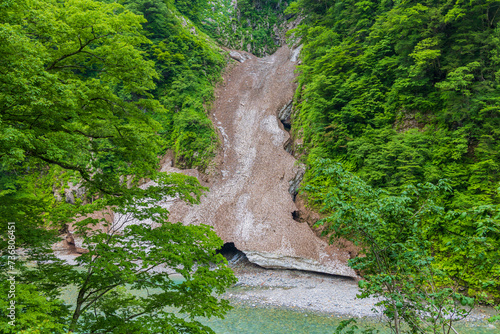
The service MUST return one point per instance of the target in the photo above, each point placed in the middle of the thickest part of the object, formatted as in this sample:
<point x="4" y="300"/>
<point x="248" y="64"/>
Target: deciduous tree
<point x="76" y="108"/>
<point x="420" y="285"/>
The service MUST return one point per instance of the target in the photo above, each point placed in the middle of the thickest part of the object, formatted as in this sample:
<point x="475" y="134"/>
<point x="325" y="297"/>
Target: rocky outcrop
<point x="69" y="192"/>
<point x="285" y="115"/>
<point x="285" y="112"/>
<point x="69" y="246"/>
<point x="239" y="56"/>
<point x="295" y="182"/>
<point x="249" y="202"/>
<point x="280" y="261"/>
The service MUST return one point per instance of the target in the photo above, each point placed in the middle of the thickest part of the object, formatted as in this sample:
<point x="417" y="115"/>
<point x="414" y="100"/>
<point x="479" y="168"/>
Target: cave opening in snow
<point x="230" y="252"/>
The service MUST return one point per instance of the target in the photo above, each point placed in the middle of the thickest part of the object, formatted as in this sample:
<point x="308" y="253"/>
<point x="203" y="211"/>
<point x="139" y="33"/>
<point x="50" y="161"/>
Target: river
<point x="247" y="319"/>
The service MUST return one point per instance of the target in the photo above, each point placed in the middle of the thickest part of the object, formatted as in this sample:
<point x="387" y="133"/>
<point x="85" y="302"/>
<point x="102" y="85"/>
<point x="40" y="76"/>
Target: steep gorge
<point x="249" y="202"/>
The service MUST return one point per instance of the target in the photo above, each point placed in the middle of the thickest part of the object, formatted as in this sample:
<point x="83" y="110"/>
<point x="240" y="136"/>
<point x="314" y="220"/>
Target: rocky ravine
<point x="249" y="202"/>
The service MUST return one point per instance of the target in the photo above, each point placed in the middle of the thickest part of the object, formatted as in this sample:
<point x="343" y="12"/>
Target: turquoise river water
<point x="259" y="320"/>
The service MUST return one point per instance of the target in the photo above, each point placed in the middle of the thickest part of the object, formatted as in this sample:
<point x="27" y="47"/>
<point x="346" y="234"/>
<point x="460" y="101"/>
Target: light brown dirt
<point x="248" y="202"/>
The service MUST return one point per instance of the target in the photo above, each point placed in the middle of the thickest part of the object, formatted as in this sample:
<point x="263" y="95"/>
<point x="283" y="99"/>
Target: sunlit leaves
<point x="381" y="75"/>
<point x="76" y="108"/>
<point x="420" y="259"/>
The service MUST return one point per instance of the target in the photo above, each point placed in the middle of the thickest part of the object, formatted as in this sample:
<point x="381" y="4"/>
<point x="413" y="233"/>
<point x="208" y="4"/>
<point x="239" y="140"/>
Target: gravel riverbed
<point x="307" y="292"/>
<point x="299" y="290"/>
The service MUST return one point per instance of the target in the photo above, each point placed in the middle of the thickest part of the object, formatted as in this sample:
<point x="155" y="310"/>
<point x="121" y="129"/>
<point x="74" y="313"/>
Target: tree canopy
<point x="79" y="108"/>
<point x="404" y="95"/>
<point x="429" y="266"/>
<point x="75" y="91"/>
<point x="403" y="92"/>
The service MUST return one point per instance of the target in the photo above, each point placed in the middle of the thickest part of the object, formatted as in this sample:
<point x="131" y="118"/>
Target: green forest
<point x="403" y="93"/>
<point x="396" y="117"/>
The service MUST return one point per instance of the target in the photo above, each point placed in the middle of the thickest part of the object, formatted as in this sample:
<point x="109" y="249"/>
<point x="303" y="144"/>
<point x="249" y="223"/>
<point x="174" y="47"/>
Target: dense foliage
<point x="71" y="107"/>
<point x="81" y="128"/>
<point x="418" y="257"/>
<point x="74" y="87"/>
<point x="404" y="92"/>
<point x="189" y="64"/>
<point x="256" y="26"/>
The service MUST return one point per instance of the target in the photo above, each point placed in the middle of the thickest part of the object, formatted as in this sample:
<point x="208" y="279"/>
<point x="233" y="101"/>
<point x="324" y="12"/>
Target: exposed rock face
<point x="239" y="56"/>
<point x="68" y="246"/>
<point x="71" y="245"/>
<point x="295" y="182"/>
<point x="71" y="192"/>
<point x="249" y="202"/>
<point x="279" y="261"/>
<point x="285" y="114"/>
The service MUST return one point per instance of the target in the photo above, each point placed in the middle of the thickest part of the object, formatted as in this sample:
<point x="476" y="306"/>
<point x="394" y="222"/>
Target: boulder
<point x="239" y="56"/>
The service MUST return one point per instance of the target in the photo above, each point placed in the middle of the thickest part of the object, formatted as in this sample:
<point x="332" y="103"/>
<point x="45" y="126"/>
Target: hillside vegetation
<point x="255" y="26"/>
<point x="92" y="93"/>
<point x="405" y="94"/>
<point x="189" y="64"/>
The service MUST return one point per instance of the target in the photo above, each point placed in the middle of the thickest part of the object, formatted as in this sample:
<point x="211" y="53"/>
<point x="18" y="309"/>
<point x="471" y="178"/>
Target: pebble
<point x="305" y="291"/>
<point x="299" y="290"/>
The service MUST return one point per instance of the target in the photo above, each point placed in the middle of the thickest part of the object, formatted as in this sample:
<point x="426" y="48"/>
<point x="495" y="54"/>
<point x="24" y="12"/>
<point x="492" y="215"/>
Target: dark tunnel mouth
<point x="228" y="247"/>
<point x="229" y="251"/>
<point x="286" y="125"/>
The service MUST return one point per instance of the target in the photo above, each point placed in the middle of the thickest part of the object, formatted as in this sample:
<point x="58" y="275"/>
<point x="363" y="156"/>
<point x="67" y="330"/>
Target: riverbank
<point x="308" y="292"/>
<point x="298" y="290"/>
<point x="275" y="301"/>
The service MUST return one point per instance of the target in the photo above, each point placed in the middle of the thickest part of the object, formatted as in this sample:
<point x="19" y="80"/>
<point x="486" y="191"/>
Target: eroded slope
<point x="249" y="203"/>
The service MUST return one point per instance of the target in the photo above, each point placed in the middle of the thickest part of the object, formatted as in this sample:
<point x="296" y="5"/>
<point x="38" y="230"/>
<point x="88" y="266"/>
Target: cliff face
<point x="249" y="202"/>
